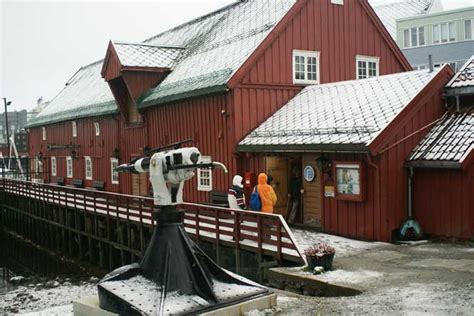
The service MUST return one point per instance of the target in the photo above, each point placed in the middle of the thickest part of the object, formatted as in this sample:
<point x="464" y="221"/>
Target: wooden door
<point x="312" y="196"/>
<point x="277" y="167"/>
<point x="139" y="183"/>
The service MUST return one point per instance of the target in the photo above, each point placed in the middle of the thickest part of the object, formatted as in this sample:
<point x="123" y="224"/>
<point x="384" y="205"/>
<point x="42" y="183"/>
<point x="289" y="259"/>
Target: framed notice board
<point x="350" y="180"/>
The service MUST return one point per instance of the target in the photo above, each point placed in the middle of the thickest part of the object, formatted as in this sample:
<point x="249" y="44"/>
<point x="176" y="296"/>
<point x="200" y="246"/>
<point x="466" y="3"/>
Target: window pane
<point x="452" y="31"/>
<point x="372" y="69"/>
<point x="444" y="33"/>
<point x="436" y="33"/>
<point x="406" y="38"/>
<point x="362" y="69"/>
<point x="467" y="29"/>
<point x="453" y="65"/>
<point x="311" y="68"/>
<point x="299" y="68"/>
<point x="414" y="41"/>
<point x="421" y="36"/>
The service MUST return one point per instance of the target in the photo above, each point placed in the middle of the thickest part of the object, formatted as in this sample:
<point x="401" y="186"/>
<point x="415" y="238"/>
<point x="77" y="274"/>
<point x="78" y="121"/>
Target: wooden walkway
<point x="261" y="233"/>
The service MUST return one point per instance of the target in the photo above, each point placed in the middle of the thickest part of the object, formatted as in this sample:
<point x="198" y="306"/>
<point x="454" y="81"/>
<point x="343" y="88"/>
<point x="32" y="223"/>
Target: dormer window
<point x="305" y="67"/>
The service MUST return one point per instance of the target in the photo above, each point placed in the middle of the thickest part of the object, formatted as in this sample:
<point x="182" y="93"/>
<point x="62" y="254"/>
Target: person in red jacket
<point x="266" y="193"/>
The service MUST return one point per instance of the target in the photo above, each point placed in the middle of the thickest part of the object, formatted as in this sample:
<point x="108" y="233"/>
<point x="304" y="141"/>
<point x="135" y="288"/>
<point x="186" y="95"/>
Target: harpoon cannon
<point x="174" y="276"/>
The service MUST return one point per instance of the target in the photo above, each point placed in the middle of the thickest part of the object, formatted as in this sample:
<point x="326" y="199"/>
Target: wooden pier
<point x="109" y="230"/>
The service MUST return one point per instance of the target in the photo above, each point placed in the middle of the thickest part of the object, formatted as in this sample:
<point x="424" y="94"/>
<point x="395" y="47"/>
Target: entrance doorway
<point x="281" y="168"/>
<point x="288" y="177"/>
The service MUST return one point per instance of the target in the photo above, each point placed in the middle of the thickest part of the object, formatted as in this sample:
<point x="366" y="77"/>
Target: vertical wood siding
<point x="443" y="201"/>
<point x="339" y="33"/>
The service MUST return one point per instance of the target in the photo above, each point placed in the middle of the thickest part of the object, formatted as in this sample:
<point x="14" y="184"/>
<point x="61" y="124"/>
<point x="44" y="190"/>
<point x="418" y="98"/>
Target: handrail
<point x="262" y="231"/>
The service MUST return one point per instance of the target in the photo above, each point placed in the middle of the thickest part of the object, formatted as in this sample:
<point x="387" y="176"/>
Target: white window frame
<point x="204" y="176"/>
<point x="367" y="60"/>
<point x="54" y="167"/>
<point x="43" y="132"/>
<point x="69" y="167"/>
<point x="471" y="29"/>
<point x="410" y="35"/>
<point x="89" y="173"/>
<point x="74" y="129"/>
<point x="113" y="173"/>
<point x="448" y="33"/>
<point x="306" y="54"/>
<point x="337" y="2"/>
<point x="97" y="128"/>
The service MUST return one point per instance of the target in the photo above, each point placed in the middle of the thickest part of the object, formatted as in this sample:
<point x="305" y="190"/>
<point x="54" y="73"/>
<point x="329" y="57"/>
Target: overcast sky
<point x="43" y="43"/>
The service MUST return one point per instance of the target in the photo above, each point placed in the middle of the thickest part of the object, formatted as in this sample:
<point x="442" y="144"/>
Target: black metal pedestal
<point x="174" y="277"/>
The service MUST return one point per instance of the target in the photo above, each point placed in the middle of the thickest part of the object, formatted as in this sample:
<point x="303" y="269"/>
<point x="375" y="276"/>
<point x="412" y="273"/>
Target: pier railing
<point x="256" y="231"/>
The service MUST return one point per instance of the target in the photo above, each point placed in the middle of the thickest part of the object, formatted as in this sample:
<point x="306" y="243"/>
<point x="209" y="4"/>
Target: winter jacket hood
<point x="237" y="181"/>
<point x="266" y="193"/>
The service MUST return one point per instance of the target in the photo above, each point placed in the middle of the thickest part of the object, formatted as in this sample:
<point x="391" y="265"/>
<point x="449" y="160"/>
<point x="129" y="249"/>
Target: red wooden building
<point x="217" y="78"/>
<point x="443" y="163"/>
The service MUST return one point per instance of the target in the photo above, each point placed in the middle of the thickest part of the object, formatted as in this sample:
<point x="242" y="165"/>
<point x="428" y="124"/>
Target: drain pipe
<point x="410" y="191"/>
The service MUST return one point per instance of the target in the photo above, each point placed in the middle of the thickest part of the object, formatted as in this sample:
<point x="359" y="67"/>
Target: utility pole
<point x="7" y="103"/>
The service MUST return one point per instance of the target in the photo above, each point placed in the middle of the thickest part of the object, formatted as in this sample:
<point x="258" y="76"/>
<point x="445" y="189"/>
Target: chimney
<point x="430" y="62"/>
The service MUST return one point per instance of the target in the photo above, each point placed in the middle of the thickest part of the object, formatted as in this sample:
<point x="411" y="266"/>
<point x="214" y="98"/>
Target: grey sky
<point x="43" y="43"/>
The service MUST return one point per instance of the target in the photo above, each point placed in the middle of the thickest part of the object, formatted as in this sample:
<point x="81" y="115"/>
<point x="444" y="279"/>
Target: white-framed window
<point x="305" y="67"/>
<point x="338" y="2"/>
<point x="74" y="129"/>
<point x="414" y="37"/>
<point x="367" y="66"/>
<point x="43" y="132"/>
<point x="114" y="163"/>
<point x="444" y="32"/>
<point x="53" y="167"/>
<point x="97" y="128"/>
<point x="69" y="166"/>
<point x="88" y="167"/>
<point x="468" y="29"/>
<point x="204" y="176"/>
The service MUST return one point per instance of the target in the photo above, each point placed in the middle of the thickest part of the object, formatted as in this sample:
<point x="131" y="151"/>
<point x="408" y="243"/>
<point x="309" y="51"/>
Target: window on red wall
<point x="350" y="180"/>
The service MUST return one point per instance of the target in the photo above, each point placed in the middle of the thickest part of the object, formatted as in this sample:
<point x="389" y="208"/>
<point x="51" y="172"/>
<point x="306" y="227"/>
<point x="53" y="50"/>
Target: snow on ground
<point x="38" y="299"/>
<point x="345" y="247"/>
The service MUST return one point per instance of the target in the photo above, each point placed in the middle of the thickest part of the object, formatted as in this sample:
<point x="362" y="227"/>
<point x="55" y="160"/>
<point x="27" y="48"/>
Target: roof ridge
<point x="146" y="44"/>
<point x="195" y="20"/>
<point x="377" y="78"/>
<point x="403" y="1"/>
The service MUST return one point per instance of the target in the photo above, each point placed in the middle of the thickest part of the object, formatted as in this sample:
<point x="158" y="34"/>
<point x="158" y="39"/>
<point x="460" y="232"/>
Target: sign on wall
<point x="349" y="180"/>
<point x="308" y="173"/>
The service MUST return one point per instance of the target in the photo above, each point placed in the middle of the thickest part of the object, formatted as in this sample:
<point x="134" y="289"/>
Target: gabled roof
<point x="448" y="143"/>
<point x="146" y="55"/>
<point x="215" y="46"/>
<point x="337" y="116"/>
<point x="390" y="13"/>
<point x="86" y="94"/>
<point x="463" y="80"/>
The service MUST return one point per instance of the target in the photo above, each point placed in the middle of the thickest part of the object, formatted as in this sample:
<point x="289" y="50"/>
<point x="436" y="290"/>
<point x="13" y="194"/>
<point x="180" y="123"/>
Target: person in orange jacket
<point x="266" y="193"/>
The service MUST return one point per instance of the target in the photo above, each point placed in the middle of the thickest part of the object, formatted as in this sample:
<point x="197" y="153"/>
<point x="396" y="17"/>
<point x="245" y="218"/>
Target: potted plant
<point x="320" y="254"/>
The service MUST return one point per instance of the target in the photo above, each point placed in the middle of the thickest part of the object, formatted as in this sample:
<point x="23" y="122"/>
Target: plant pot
<point x="324" y="261"/>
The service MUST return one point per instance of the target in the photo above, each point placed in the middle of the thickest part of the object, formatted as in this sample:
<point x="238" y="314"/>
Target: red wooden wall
<point x="443" y="201"/>
<point x="386" y="205"/>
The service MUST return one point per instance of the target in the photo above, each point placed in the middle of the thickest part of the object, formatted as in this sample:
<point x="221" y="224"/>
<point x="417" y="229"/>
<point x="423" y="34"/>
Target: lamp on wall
<point x="116" y="153"/>
<point x="323" y="163"/>
<point x="73" y="154"/>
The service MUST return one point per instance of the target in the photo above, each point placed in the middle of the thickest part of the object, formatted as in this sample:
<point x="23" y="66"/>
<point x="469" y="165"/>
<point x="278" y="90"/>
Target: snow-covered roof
<point x="85" y="94"/>
<point x="390" y="13"/>
<point x="342" y="115"/>
<point x="450" y="140"/>
<point x="146" y="55"/>
<point x="215" y="46"/>
<point x="464" y="77"/>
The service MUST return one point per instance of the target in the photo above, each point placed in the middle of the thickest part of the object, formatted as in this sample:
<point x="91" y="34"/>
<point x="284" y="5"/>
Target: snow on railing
<point x="260" y="231"/>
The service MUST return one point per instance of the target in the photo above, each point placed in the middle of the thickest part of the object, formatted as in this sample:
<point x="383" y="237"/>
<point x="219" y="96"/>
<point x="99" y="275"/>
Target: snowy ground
<point x="420" y="279"/>
<point x="50" y="298"/>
